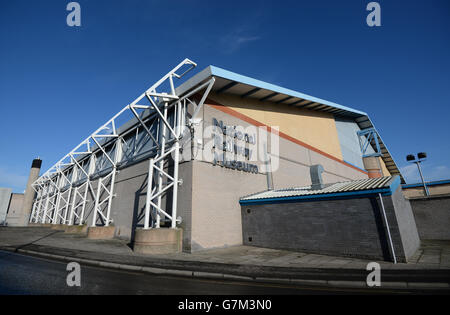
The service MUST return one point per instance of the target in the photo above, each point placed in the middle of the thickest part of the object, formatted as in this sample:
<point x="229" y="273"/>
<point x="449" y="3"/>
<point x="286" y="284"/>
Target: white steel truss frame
<point x="62" y="196"/>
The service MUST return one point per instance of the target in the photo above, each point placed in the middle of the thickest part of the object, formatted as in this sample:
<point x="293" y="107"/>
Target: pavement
<point x="27" y="275"/>
<point x="428" y="269"/>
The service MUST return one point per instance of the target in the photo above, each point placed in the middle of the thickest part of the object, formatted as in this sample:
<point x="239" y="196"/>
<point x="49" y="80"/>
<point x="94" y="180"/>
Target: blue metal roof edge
<point x="322" y="197"/>
<point x="216" y="71"/>
<point x="388" y="191"/>
<point x="434" y="183"/>
<point x="361" y="169"/>
<point x="384" y="143"/>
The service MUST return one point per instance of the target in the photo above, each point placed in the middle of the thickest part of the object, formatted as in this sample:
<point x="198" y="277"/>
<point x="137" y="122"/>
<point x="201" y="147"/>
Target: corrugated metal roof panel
<point x="351" y="186"/>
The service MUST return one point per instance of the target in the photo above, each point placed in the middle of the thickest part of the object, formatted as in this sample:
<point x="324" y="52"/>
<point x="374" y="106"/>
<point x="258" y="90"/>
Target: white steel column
<point x="47" y="192"/>
<point x="103" y="183"/>
<point x="161" y="166"/>
<point x="110" y="197"/>
<point x="73" y="179"/>
<point x="97" y="199"/>
<point x="175" y="185"/>
<point x="72" y="208"/>
<point x="66" y="208"/>
<point x="57" y="199"/>
<point x="156" y="164"/>
<point x="83" y="207"/>
<point x="33" y="211"/>
<point x="39" y="207"/>
<point x="149" y="193"/>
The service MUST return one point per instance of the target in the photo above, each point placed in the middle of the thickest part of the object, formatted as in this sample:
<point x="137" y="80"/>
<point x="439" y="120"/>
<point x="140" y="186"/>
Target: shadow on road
<point x="17" y="248"/>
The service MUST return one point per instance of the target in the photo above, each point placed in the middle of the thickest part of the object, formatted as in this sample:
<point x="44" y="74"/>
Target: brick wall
<point x="348" y="227"/>
<point x="432" y="217"/>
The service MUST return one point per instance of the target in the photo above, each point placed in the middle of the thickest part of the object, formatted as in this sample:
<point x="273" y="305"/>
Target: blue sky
<point x="59" y="83"/>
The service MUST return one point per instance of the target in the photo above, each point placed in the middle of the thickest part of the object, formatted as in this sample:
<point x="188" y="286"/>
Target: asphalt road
<point x="21" y="274"/>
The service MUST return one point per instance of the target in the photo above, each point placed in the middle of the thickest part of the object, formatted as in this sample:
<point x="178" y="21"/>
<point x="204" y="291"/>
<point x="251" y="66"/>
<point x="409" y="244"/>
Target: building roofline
<point x="233" y="79"/>
<point x="219" y="72"/>
<point x="432" y="183"/>
<point x="239" y="78"/>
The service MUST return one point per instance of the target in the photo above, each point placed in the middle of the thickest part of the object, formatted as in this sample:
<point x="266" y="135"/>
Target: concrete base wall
<point x="34" y="225"/>
<point x="432" y="216"/>
<point x="158" y="241"/>
<point x="349" y="227"/>
<point x="101" y="232"/>
<point x="58" y="227"/>
<point x="15" y="213"/>
<point x="76" y="229"/>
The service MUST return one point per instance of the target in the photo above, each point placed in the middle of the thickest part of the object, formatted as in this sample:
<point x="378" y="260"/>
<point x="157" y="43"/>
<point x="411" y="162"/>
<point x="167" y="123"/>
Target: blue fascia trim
<point x="322" y="197"/>
<point x="219" y="72"/>
<point x="355" y="166"/>
<point x="372" y="154"/>
<point x="435" y="183"/>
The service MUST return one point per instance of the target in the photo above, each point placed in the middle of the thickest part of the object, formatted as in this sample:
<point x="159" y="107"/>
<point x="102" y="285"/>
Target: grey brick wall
<point x="432" y="216"/>
<point x="349" y="227"/>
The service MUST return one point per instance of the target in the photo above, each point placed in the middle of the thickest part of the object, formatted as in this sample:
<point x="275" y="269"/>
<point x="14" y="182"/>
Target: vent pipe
<point x="316" y="177"/>
<point x="268" y="168"/>
<point x="372" y="165"/>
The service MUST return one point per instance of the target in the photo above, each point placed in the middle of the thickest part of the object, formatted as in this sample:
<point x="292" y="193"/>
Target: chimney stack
<point x="373" y="166"/>
<point x="29" y="192"/>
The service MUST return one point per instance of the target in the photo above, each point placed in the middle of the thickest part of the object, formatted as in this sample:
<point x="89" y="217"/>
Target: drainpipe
<point x="268" y="168"/>
<point x="388" y="230"/>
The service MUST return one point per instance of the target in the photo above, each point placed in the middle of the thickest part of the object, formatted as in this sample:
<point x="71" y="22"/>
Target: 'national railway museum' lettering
<point x="234" y="165"/>
<point x="228" y="146"/>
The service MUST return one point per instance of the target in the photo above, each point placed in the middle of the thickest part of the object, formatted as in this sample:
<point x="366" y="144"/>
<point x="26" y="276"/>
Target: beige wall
<point x="296" y="160"/>
<point x="317" y="129"/>
<point x="384" y="170"/>
<point x="216" y="213"/>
